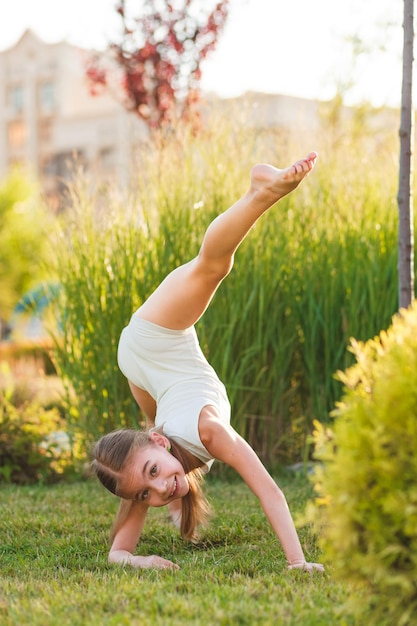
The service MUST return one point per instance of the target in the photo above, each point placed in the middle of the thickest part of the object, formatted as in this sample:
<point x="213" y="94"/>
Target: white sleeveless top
<point x="171" y="367"/>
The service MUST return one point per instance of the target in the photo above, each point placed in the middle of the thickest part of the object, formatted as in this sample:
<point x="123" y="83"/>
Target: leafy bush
<point x="24" y="224"/>
<point x="33" y="444"/>
<point x="367" y="484"/>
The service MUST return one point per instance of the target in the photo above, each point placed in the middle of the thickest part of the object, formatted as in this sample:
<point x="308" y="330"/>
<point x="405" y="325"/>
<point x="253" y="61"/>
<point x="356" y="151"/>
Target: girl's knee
<point x="216" y="269"/>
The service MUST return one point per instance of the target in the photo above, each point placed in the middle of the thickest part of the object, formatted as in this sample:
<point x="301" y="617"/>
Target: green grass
<point x="54" y="568"/>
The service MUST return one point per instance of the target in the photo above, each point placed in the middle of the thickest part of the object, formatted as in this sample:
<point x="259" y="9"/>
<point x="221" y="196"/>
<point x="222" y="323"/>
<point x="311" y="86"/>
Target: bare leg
<point x="181" y="299"/>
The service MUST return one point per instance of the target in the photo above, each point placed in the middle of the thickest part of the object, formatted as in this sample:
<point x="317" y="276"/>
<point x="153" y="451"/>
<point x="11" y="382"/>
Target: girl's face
<point x="154" y="476"/>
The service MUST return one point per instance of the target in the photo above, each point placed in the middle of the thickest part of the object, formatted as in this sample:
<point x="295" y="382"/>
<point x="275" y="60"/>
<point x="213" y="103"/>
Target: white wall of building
<point x="48" y="116"/>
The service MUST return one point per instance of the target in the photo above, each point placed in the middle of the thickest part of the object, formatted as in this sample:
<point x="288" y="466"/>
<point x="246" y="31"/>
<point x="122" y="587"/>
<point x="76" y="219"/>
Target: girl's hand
<point x="152" y="561"/>
<point x="308" y="567"/>
<point x="123" y="557"/>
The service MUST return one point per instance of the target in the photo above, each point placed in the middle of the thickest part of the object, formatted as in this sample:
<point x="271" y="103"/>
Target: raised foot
<point x="278" y="183"/>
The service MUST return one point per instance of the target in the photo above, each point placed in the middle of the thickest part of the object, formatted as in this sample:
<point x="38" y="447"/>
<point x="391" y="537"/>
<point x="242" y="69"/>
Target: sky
<point x="296" y="47"/>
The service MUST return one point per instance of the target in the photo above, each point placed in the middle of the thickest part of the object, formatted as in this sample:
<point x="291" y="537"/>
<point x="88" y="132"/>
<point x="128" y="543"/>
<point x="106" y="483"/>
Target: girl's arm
<point x="128" y="528"/>
<point x="222" y="441"/>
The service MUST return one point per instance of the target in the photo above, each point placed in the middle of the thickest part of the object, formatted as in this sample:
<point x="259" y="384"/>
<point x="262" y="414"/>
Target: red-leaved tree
<point x="157" y="62"/>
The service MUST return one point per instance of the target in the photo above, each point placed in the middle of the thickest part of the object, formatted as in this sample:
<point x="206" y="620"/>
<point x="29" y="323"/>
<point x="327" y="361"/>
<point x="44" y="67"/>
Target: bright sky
<point x="295" y="47"/>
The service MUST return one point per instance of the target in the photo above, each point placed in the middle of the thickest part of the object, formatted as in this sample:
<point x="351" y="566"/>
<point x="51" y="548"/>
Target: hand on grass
<point x="152" y="561"/>
<point x="123" y="557"/>
<point x="308" y="567"/>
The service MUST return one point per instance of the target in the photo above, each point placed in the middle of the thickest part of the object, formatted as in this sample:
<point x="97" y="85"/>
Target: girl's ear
<point x="160" y="440"/>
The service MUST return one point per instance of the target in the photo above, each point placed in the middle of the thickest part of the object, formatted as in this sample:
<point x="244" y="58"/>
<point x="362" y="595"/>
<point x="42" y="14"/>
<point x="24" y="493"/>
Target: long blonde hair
<point x="112" y="454"/>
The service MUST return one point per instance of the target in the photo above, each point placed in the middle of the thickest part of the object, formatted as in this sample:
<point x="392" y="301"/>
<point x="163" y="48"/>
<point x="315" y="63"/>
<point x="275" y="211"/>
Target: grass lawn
<point x="54" y="567"/>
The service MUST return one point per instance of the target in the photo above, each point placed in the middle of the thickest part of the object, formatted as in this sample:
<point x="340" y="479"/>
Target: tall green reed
<point x="318" y="269"/>
<point x="97" y="262"/>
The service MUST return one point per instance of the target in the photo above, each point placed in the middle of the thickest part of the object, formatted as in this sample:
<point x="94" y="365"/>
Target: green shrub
<point x="24" y="224"/>
<point x="367" y="488"/>
<point x="33" y="444"/>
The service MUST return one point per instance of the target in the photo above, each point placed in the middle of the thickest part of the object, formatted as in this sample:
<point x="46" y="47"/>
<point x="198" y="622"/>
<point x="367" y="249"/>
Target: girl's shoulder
<point x="211" y="425"/>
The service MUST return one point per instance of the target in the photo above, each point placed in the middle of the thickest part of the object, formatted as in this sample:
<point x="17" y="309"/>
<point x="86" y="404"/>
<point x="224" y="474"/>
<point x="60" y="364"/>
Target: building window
<point x="16" y="132"/>
<point x="16" y="99"/>
<point x="47" y="97"/>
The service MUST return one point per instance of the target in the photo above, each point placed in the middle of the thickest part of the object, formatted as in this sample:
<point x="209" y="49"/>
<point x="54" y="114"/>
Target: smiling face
<point x="153" y="475"/>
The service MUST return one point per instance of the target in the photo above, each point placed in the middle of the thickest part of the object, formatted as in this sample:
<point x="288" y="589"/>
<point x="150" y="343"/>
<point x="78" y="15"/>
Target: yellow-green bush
<point x="367" y="482"/>
<point x="33" y="445"/>
<point x="24" y="224"/>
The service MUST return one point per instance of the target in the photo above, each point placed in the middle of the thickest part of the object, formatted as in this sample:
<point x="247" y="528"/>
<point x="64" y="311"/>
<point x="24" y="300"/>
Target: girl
<point x="186" y="406"/>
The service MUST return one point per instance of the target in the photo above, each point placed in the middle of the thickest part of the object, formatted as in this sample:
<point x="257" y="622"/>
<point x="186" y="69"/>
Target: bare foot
<point x="278" y="183"/>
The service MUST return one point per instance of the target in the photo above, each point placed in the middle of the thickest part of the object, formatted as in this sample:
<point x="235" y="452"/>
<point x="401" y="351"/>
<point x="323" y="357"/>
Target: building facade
<point x="50" y="122"/>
